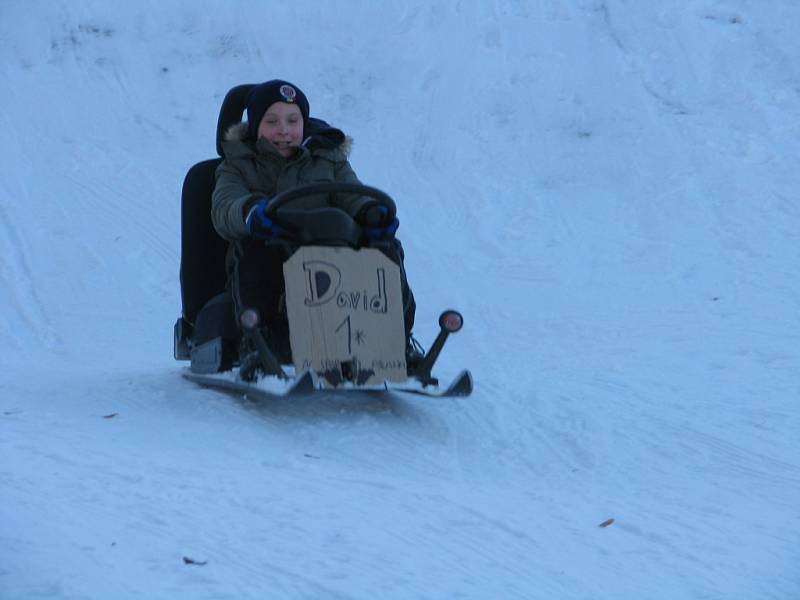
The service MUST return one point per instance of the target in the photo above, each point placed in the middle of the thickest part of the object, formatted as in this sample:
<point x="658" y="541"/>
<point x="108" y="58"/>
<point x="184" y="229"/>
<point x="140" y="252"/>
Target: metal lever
<point x="450" y="321"/>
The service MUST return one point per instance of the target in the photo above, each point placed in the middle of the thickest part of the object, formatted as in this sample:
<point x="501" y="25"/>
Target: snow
<point x="606" y="189"/>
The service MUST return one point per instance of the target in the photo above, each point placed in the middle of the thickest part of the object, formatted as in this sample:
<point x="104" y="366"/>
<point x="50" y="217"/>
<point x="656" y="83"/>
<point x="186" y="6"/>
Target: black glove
<point x="376" y="222"/>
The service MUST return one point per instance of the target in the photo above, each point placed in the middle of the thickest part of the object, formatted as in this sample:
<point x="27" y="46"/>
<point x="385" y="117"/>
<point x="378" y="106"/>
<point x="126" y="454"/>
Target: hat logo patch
<point x="288" y="93"/>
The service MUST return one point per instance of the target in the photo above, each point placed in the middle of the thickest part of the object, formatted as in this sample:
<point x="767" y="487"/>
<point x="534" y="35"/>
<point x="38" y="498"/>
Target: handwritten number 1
<point x="349" y="334"/>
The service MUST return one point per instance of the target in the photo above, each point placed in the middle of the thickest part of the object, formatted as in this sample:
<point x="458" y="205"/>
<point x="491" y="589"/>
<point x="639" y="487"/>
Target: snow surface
<point x="608" y="190"/>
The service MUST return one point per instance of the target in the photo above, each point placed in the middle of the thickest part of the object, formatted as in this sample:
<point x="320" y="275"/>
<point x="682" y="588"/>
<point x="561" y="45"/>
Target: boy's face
<point x="282" y="126"/>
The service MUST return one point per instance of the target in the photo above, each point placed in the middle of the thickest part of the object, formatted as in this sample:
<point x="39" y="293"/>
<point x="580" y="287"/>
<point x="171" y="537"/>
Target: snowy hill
<point x="606" y="189"/>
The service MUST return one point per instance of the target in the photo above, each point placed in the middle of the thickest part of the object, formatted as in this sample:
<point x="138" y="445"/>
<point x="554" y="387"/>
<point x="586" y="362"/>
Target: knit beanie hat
<point x="266" y="94"/>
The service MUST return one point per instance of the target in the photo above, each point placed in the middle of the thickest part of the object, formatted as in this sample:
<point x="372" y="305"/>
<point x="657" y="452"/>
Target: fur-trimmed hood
<point x="319" y="136"/>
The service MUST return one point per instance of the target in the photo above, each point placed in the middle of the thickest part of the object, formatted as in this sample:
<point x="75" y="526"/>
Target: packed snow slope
<point x="608" y="190"/>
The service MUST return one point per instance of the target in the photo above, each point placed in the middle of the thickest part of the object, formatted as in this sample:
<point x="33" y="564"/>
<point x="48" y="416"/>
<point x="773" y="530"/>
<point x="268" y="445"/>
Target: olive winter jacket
<point x="253" y="170"/>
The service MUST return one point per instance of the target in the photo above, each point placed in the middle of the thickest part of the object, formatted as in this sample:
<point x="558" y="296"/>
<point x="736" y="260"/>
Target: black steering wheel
<point x="380" y="198"/>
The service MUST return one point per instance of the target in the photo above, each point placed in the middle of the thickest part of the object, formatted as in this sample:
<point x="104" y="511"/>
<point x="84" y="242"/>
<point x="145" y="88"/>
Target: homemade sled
<point x="343" y="297"/>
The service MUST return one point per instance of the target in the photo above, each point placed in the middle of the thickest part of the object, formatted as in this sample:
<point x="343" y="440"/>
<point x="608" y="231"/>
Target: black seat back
<point x="202" y="250"/>
<point x="231" y="111"/>
<point x="202" y="271"/>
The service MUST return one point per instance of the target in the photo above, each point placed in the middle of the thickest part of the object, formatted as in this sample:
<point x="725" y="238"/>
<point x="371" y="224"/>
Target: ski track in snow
<point x="18" y="277"/>
<point x="18" y="284"/>
<point x="606" y="190"/>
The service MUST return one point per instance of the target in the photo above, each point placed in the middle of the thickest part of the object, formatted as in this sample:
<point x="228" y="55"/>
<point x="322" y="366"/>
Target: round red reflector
<point x="249" y="318"/>
<point x="451" y="321"/>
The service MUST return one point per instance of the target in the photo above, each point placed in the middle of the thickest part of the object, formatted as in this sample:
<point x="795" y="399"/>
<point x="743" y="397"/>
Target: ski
<point x="302" y="386"/>
<point x="460" y="387"/>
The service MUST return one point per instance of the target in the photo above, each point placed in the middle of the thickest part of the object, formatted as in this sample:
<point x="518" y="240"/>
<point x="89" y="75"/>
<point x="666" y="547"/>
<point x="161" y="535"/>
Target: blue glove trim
<point x="381" y="233"/>
<point x="259" y="225"/>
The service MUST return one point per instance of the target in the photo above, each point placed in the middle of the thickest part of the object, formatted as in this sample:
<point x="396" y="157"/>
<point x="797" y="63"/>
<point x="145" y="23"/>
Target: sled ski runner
<point x="304" y="386"/>
<point x="461" y="386"/>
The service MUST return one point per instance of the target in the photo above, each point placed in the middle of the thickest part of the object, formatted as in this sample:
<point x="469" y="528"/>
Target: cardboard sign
<point x="345" y="310"/>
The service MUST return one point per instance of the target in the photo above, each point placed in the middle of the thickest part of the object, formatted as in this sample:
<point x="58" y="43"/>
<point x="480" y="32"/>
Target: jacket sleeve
<point x="231" y="196"/>
<point x="350" y="203"/>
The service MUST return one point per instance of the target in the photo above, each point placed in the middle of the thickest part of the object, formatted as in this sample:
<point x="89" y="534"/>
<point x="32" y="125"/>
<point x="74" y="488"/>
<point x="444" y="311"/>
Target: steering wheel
<point x="380" y="198"/>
